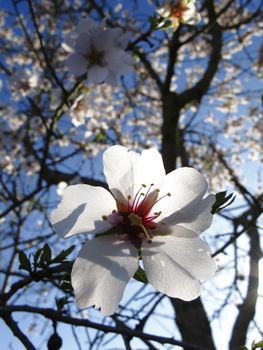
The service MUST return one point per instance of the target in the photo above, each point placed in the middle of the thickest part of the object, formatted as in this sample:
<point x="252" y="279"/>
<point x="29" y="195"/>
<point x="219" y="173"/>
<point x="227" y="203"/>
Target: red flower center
<point x="136" y="219"/>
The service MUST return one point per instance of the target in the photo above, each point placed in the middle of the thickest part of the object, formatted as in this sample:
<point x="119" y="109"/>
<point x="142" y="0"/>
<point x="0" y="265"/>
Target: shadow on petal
<point x="66" y="225"/>
<point x="113" y="257"/>
<point x="197" y="209"/>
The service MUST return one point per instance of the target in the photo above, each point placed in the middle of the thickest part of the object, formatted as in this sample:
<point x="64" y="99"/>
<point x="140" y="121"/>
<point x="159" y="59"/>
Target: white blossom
<point x="147" y="215"/>
<point x="23" y="83"/>
<point x="179" y="11"/>
<point x="98" y="52"/>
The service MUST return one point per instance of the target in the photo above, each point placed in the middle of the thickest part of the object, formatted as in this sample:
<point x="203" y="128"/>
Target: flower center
<point x="95" y="57"/>
<point x="136" y="219"/>
<point x="178" y="11"/>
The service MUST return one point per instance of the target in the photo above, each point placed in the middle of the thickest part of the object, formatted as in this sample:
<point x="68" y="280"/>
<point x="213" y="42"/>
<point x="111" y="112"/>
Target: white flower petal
<point x="123" y="40"/>
<point x="178" y="231"/>
<point x="77" y="64"/>
<point x="189" y="13"/>
<point x="118" y="165"/>
<point x="83" y="43"/>
<point x="86" y="25"/>
<point x="81" y="210"/>
<point x="174" y="265"/>
<point x="111" y="79"/>
<point x="164" y="10"/>
<point x="196" y="216"/>
<point x="97" y="74"/>
<point x="69" y="41"/>
<point x="105" y="38"/>
<point x="118" y="62"/>
<point x="126" y="171"/>
<point x="150" y="168"/>
<point x="185" y="185"/>
<point x="127" y="64"/>
<point x="101" y="272"/>
<point x="114" y="57"/>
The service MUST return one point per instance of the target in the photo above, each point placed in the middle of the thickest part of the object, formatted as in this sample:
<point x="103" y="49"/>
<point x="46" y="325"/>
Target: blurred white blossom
<point x="23" y="83"/>
<point x="179" y="11"/>
<point x="98" y="52"/>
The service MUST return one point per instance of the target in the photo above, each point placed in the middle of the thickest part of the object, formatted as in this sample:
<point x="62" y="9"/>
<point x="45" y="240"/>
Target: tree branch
<point x="57" y="316"/>
<point x="17" y="332"/>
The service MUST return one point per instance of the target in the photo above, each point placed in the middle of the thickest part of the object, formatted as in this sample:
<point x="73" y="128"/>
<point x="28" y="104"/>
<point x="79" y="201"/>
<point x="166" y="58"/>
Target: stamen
<point x="136" y="197"/>
<point x="147" y="234"/>
<point x="158" y="200"/>
<point x="137" y="221"/>
<point x="138" y="203"/>
<point x="104" y="217"/>
<point x="129" y="198"/>
<point x="151" y="218"/>
<point x="146" y="195"/>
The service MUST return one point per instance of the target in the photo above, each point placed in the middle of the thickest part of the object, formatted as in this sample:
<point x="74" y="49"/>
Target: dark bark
<point x="13" y="325"/>
<point x="193" y="323"/>
<point x="171" y="114"/>
<point x="247" y="309"/>
<point x="196" y="92"/>
<point x="191" y="317"/>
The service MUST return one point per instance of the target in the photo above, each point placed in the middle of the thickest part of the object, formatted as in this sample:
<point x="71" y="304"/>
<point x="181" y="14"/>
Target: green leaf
<point x="222" y="201"/>
<point x="257" y="345"/>
<point x="36" y="257"/>
<point x="24" y="262"/>
<point x="62" y="255"/>
<point x="47" y="254"/>
<point x="66" y="286"/>
<point x="140" y="275"/>
<point x="61" y="302"/>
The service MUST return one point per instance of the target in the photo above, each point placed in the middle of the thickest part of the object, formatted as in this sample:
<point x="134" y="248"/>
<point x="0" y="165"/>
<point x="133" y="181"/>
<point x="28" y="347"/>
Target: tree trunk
<point x="191" y="317"/>
<point x="171" y="114"/>
<point x="193" y="323"/>
<point x="248" y="308"/>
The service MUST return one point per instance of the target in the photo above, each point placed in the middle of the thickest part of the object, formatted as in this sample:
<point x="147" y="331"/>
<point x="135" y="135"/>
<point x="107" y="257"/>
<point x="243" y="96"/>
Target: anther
<point x="169" y="194"/>
<point x="104" y="217"/>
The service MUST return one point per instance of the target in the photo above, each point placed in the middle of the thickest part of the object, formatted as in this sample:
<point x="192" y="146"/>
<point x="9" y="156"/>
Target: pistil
<point x="137" y="221"/>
